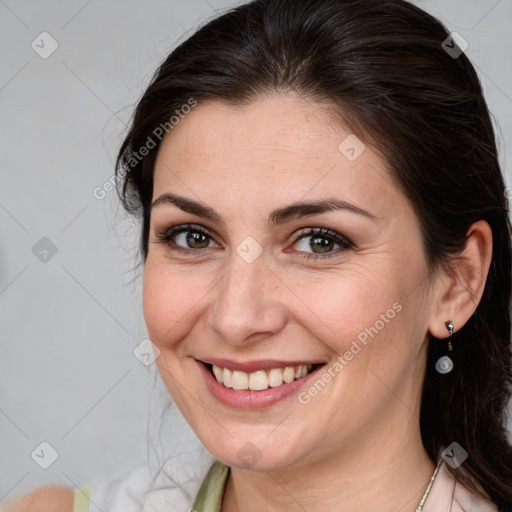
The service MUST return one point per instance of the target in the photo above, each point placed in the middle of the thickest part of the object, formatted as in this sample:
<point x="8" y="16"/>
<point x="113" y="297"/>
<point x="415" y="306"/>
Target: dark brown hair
<point x="382" y="64"/>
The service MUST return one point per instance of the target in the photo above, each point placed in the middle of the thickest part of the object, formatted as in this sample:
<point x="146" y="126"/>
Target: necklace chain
<point x="419" y="508"/>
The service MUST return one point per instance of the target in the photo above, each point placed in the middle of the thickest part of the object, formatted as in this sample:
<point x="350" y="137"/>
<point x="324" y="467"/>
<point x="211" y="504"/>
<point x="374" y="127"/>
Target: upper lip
<point x="253" y="366"/>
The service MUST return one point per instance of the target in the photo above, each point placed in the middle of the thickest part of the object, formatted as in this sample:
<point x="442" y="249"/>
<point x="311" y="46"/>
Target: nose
<point x="248" y="303"/>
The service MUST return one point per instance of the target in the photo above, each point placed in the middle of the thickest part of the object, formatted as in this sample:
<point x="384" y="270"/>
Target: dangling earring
<point x="445" y="364"/>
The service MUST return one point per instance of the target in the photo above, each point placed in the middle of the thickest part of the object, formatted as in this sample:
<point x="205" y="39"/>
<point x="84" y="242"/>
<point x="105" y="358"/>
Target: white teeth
<point x="275" y="377"/>
<point x="226" y="377"/>
<point x="240" y="380"/>
<point x="259" y="380"/>
<point x="218" y="372"/>
<point x="289" y="374"/>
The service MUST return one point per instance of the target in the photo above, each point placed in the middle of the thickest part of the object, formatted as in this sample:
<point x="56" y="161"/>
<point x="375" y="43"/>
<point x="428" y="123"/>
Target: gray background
<point x="69" y="324"/>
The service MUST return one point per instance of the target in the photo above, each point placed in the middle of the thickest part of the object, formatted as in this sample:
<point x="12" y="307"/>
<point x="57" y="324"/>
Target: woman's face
<point x="254" y="291"/>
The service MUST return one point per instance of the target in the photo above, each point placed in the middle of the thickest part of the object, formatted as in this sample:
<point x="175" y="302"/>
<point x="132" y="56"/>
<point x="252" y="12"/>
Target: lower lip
<point x="248" y="399"/>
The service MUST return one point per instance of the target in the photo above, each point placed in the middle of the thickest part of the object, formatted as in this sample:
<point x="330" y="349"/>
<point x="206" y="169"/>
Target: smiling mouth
<point x="261" y="379"/>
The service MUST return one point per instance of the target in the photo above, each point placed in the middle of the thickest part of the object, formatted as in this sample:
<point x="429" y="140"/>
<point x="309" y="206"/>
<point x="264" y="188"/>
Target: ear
<point x="460" y="287"/>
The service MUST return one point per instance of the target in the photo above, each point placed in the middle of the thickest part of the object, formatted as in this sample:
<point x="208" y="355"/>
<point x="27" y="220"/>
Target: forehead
<point x="275" y="146"/>
<point x="269" y="125"/>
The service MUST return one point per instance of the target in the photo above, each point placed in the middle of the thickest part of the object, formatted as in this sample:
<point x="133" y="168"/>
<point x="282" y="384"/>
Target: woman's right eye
<point x="185" y="237"/>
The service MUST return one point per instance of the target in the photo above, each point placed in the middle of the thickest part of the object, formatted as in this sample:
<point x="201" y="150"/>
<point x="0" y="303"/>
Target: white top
<point x="133" y="490"/>
<point x="125" y="492"/>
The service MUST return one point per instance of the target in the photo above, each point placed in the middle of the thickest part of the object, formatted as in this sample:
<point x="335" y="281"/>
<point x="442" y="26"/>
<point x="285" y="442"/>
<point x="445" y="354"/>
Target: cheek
<point x="372" y="314"/>
<point x="372" y="328"/>
<point x="170" y="300"/>
<point x="170" y="303"/>
<point x="344" y="303"/>
<point x="360" y="327"/>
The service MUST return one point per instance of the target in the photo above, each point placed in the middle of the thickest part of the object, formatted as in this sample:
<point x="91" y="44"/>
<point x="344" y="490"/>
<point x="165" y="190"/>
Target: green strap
<point x="82" y="499"/>
<point x="209" y="497"/>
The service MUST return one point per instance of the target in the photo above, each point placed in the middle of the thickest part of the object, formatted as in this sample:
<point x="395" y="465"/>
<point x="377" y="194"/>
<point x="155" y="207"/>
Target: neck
<point x="390" y="474"/>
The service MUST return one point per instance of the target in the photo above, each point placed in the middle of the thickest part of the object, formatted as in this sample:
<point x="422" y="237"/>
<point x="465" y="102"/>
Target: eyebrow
<point x="276" y="217"/>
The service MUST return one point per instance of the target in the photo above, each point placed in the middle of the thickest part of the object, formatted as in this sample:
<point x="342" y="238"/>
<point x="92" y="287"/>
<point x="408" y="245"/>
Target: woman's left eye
<point x="323" y="242"/>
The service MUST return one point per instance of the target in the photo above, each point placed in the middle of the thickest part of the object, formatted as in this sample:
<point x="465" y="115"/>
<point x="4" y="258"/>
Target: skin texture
<point x="54" y="498"/>
<point x="357" y="442"/>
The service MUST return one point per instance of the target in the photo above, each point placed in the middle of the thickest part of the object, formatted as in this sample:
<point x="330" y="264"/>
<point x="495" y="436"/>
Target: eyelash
<point x="166" y="237"/>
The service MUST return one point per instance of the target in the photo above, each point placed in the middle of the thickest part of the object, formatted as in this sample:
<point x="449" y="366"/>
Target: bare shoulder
<point x="51" y="498"/>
